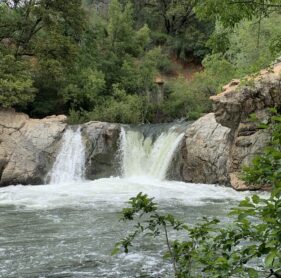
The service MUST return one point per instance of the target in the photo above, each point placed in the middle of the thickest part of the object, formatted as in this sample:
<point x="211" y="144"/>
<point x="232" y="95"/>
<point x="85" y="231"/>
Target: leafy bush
<point x="250" y="44"/>
<point x="190" y="98"/>
<point x="16" y="85"/>
<point x="185" y="101"/>
<point x="76" y="117"/>
<point x="211" y="250"/>
<point x="120" y="108"/>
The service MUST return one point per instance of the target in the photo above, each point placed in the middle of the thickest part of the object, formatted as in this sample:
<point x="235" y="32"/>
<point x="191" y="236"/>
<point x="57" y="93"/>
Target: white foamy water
<point x="70" y="162"/>
<point x="115" y="191"/>
<point x="69" y="227"/>
<point x="143" y="157"/>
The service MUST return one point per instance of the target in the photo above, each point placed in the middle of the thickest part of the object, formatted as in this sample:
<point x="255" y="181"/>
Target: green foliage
<point x="184" y="100"/>
<point x="275" y="45"/>
<point x="76" y="117"/>
<point x="75" y="56"/>
<point x="190" y="99"/>
<point x="210" y="249"/>
<point x="229" y="13"/>
<point x="252" y="46"/>
<point x="112" y="83"/>
<point x="41" y="38"/>
<point x="218" y="71"/>
<point x="191" y="42"/>
<point x="176" y="26"/>
<point x="16" y="85"/>
<point x="83" y="88"/>
<point x="24" y="23"/>
<point x="249" y="46"/>
<point x="119" y="108"/>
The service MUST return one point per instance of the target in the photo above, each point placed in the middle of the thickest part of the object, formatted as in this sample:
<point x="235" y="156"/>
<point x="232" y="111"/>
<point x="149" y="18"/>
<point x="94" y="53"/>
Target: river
<point x="68" y="228"/>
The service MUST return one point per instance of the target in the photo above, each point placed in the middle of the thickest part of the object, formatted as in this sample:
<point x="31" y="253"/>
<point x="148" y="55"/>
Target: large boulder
<point x="101" y="140"/>
<point x="205" y="151"/>
<point x="27" y="146"/>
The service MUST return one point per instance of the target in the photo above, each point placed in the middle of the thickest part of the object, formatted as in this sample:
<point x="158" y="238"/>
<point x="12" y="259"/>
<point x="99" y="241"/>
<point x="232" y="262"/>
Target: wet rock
<point x="101" y="141"/>
<point x="27" y="146"/>
<point x="240" y="185"/>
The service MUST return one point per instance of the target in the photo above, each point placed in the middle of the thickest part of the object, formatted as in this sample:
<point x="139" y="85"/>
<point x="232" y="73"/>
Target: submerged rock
<point x="27" y="146"/>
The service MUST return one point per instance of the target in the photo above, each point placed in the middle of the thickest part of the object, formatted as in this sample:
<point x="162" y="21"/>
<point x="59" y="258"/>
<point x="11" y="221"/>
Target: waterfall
<point x="70" y="162"/>
<point x="148" y="156"/>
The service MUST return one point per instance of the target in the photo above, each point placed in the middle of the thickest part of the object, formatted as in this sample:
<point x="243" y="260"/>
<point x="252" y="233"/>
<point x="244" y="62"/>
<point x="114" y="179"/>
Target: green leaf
<point x="270" y="258"/>
<point x="116" y="250"/>
<point x="255" y="199"/>
<point x="252" y="273"/>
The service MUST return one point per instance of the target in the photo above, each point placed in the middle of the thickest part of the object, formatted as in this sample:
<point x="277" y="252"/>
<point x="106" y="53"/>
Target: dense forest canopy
<point x="130" y="61"/>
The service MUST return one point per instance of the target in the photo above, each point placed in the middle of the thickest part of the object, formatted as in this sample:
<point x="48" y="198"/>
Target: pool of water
<point x="69" y="230"/>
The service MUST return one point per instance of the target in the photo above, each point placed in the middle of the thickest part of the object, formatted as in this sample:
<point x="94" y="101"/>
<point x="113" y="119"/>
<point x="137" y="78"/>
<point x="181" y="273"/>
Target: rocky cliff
<point x="219" y="144"/>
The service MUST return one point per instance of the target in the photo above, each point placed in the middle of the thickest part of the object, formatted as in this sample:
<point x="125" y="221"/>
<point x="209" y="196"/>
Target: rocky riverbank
<point x="219" y="144"/>
<point x="214" y="150"/>
<point x="27" y="146"/>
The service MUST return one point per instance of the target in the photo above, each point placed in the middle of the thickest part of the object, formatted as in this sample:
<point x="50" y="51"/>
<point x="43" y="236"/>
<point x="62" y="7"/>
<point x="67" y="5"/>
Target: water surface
<point x="69" y="230"/>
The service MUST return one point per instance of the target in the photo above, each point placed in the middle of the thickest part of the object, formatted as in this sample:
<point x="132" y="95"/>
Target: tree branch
<point x="256" y="3"/>
<point x="170" y="249"/>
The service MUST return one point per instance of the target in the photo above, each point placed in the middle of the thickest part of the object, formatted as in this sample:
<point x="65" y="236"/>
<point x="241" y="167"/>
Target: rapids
<point x="68" y="228"/>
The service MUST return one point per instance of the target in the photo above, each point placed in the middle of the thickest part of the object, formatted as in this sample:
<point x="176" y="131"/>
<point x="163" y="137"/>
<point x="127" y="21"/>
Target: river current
<point x="69" y="227"/>
<point x="69" y="230"/>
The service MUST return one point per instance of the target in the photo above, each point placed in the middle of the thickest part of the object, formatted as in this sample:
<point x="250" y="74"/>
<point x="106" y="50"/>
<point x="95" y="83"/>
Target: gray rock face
<point x="248" y="142"/>
<point x="205" y="151"/>
<point x="233" y="108"/>
<point x="101" y="141"/>
<point x="237" y="102"/>
<point x="218" y="145"/>
<point x="27" y="147"/>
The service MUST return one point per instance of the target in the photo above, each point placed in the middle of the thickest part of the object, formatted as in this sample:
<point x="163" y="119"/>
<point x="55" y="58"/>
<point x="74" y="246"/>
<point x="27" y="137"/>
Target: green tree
<point x="43" y="35"/>
<point x="123" y="66"/>
<point x="229" y="12"/>
<point x="22" y="23"/>
<point x="175" y="25"/>
<point x="16" y="84"/>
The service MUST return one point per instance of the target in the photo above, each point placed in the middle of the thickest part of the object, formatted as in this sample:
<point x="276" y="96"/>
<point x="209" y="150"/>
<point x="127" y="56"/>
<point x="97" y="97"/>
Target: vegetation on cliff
<point x="115" y="64"/>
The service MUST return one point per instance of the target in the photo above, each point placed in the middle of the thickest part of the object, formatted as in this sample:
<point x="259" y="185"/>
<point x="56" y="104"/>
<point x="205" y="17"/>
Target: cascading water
<point x="70" y="162"/>
<point x="146" y="156"/>
<point x="70" y="229"/>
